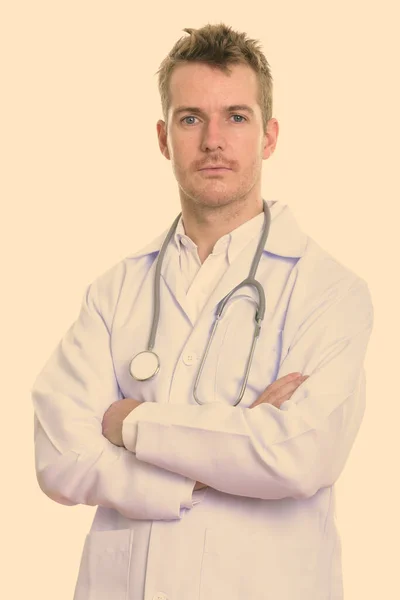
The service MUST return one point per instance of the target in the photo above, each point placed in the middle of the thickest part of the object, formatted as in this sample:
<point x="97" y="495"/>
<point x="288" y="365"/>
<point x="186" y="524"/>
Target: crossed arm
<point x="274" y="453"/>
<point x="275" y="394"/>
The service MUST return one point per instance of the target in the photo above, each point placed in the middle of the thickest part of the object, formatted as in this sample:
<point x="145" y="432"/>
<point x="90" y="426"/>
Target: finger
<point x="278" y="383"/>
<point x="274" y="394"/>
<point x="289" y="394"/>
<point x="282" y="399"/>
<point x="284" y="391"/>
<point x="285" y="379"/>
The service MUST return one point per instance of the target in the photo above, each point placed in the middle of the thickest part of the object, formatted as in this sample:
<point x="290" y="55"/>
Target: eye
<point x="240" y="117"/>
<point x="189" y="117"/>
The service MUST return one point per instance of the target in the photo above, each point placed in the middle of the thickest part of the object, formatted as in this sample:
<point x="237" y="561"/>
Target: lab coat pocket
<point x="256" y="565"/>
<point x="106" y="560"/>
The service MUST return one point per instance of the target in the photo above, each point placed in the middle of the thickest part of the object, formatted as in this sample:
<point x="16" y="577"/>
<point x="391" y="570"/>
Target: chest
<point x="182" y="345"/>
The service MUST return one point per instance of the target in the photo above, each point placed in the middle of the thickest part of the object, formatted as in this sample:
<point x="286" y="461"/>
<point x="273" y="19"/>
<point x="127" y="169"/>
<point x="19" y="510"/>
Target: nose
<point x="212" y="137"/>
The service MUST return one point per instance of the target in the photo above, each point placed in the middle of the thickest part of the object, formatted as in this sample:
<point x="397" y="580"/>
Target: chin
<point x="211" y="197"/>
<point x="214" y="202"/>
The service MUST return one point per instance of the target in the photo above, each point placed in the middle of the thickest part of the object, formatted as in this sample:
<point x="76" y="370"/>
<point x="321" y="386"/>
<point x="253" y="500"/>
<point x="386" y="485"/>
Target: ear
<point x="270" y="138"/>
<point x="162" y="139"/>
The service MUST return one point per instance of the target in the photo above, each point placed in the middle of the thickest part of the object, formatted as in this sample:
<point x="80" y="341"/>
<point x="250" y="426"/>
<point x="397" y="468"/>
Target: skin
<point x="213" y="204"/>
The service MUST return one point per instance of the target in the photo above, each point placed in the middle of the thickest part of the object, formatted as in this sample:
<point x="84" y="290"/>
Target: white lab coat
<point x="265" y="527"/>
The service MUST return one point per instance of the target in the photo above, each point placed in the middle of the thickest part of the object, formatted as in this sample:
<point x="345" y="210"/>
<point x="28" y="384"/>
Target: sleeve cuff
<point x="150" y="412"/>
<point x="130" y="429"/>
<point x="129" y="438"/>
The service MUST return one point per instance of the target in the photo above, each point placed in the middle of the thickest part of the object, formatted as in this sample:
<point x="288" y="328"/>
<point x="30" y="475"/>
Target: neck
<point x="205" y="225"/>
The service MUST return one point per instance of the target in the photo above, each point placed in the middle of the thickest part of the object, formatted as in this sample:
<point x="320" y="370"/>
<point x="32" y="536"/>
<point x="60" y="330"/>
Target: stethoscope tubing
<point x="249" y="281"/>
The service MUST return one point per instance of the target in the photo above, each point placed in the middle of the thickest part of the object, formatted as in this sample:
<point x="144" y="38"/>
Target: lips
<point x="219" y="168"/>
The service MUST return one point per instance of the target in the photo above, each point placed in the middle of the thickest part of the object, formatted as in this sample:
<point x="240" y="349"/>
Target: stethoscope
<point x="146" y="364"/>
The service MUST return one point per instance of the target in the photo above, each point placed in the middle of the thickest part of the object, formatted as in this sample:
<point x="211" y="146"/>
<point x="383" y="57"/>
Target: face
<point x="209" y="125"/>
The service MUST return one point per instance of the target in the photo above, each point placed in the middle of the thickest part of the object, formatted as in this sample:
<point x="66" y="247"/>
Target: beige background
<point x="84" y="184"/>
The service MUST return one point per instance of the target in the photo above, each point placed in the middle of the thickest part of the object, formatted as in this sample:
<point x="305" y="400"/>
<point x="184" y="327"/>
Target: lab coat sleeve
<point x="268" y="452"/>
<point x="75" y="463"/>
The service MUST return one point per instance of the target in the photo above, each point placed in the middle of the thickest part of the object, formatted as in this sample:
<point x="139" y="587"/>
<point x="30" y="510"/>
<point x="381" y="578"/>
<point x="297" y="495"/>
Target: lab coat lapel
<point x="172" y="277"/>
<point x="170" y="271"/>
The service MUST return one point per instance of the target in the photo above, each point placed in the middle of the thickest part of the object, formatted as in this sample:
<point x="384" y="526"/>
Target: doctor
<point x="198" y="495"/>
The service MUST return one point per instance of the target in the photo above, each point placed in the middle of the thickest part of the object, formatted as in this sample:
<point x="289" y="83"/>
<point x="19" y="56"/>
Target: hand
<point x="280" y="390"/>
<point x="113" y="417"/>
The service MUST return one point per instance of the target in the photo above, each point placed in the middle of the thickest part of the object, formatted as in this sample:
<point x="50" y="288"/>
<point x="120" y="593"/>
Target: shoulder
<point x="322" y="280"/>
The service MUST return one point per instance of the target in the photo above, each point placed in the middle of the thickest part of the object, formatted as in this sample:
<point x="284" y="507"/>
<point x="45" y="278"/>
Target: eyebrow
<point x="198" y="111"/>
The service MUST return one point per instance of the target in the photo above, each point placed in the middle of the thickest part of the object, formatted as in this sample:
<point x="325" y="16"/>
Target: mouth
<point x="215" y="170"/>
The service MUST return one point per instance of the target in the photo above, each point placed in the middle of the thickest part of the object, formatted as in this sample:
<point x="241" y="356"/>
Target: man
<point x="199" y="496"/>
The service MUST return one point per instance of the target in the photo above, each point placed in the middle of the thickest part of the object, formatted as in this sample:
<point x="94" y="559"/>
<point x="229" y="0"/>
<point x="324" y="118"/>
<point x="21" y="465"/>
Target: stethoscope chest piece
<point x="144" y="365"/>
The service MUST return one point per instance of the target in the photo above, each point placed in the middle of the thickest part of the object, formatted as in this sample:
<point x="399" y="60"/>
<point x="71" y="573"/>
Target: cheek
<point x="249" y="166"/>
<point x="181" y="147"/>
<point x="248" y="153"/>
<point x="182" y="158"/>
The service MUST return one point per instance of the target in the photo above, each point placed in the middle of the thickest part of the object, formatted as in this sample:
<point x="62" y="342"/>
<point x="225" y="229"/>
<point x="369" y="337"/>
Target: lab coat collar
<point x="285" y="237"/>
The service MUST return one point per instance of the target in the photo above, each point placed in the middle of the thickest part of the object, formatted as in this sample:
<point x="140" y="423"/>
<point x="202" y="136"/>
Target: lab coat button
<point x="190" y="358"/>
<point x="160" y="596"/>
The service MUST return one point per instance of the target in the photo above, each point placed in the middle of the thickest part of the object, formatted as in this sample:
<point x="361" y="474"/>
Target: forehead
<point x="193" y="81"/>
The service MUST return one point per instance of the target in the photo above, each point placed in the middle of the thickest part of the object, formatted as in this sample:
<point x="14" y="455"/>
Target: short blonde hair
<point x="218" y="46"/>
